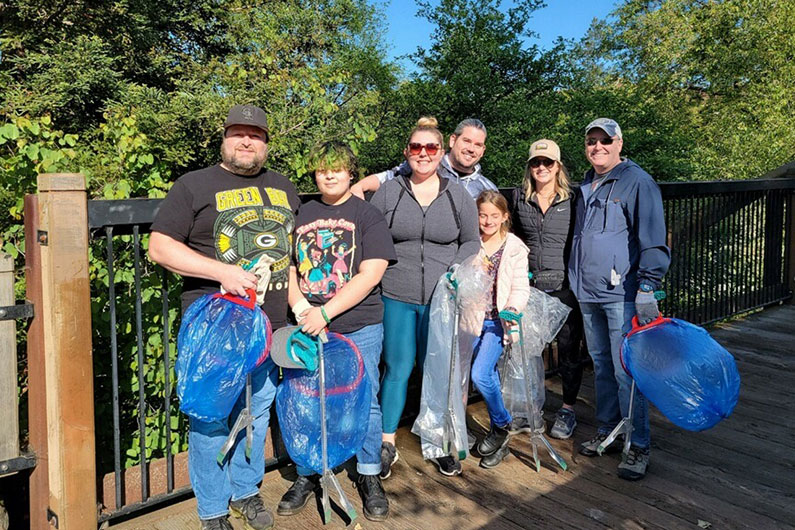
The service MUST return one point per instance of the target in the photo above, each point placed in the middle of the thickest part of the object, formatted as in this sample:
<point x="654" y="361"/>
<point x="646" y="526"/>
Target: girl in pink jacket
<point x="505" y="256"/>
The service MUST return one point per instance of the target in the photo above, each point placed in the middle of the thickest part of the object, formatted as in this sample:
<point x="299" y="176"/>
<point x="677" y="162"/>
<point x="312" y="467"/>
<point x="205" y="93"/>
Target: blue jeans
<point x="405" y="341"/>
<point x="214" y="484"/>
<point x="605" y="325"/>
<point x="369" y="341"/>
<point x="487" y="350"/>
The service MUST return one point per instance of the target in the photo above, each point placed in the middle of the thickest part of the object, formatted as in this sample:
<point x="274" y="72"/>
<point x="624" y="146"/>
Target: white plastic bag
<point x="469" y="289"/>
<point x="541" y="321"/>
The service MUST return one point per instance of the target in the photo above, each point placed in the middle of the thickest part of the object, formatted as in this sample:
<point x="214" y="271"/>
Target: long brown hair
<point x="497" y="199"/>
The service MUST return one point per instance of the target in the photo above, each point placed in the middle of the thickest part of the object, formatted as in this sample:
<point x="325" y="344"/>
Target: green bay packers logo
<point x="243" y="234"/>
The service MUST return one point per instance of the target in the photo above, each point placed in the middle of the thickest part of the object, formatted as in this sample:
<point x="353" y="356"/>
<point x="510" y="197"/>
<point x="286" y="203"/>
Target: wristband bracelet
<point x="325" y="316"/>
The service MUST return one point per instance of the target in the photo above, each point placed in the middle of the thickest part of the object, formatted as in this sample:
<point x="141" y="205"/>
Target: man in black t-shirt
<point x="214" y="222"/>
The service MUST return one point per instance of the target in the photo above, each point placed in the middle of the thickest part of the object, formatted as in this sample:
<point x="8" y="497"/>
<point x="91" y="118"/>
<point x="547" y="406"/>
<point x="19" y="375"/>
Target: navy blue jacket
<point x="618" y="227"/>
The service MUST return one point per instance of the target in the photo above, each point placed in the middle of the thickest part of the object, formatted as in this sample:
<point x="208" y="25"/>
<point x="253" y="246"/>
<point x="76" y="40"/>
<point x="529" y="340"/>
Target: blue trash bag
<point x="680" y="368"/>
<point x="347" y="406"/>
<point x="222" y="338"/>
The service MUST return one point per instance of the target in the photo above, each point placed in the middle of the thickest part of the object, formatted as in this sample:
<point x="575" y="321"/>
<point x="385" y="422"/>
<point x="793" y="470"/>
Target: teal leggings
<point x="405" y="339"/>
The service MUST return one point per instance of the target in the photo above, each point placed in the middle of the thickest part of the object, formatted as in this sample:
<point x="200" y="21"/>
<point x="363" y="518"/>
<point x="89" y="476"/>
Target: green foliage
<point x="717" y="77"/>
<point x="133" y="95"/>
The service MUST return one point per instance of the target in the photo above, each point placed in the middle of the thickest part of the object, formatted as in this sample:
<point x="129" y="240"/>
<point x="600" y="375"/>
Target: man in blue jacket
<point x="618" y="259"/>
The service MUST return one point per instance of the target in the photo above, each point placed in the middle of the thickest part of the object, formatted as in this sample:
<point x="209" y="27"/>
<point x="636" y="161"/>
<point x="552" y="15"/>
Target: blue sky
<point x="567" y="18"/>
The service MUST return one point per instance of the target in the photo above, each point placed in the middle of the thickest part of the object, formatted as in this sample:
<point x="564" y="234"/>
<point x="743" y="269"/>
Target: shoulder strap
<point x="456" y="214"/>
<point x="400" y="196"/>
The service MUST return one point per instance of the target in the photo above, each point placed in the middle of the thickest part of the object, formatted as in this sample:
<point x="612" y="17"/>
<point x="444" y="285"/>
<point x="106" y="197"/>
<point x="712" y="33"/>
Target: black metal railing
<point x="729" y="241"/>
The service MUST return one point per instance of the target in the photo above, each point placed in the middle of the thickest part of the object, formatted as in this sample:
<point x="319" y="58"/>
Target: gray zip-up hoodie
<point x="428" y="242"/>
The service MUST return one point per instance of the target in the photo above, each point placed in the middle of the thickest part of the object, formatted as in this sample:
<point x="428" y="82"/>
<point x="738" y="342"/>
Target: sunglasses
<point x="536" y="162"/>
<point x="590" y="142"/>
<point x="415" y="148"/>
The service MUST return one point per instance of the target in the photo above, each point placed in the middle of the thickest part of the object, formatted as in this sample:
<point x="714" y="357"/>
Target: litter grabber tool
<point x="536" y="436"/>
<point x="625" y="426"/>
<point x="451" y="439"/>
<point x="244" y="421"/>
<point x="327" y="479"/>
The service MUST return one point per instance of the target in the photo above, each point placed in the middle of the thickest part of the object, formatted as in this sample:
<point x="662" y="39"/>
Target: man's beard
<point x="232" y="162"/>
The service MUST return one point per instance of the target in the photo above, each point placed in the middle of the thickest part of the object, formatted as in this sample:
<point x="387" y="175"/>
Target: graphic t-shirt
<point x="234" y="219"/>
<point x="331" y="241"/>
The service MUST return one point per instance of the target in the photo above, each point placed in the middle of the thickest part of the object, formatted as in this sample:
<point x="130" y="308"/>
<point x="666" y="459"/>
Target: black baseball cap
<point x="247" y="115"/>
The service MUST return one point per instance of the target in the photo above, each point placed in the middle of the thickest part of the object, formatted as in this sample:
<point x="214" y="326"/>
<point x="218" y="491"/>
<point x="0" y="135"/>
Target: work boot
<point x="295" y="498"/>
<point x="389" y="455"/>
<point x="376" y="505"/>
<point x="494" y="459"/>
<point x="254" y="514"/>
<point x="495" y="439"/>
<point x="218" y="523"/>
<point x="634" y="464"/>
<point x="589" y="448"/>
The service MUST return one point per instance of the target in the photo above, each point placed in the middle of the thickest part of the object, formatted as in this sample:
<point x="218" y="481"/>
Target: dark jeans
<point x="569" y="356"/>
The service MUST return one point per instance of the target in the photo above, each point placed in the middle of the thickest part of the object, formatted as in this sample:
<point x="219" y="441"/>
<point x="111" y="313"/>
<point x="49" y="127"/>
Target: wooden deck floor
<point x="740" y="474"/>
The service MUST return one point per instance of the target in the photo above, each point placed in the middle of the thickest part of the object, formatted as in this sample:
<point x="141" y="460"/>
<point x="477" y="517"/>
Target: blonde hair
<point x="562" y="187"/>
<point x="429" y="124"/>
<point x="497" y="199"/>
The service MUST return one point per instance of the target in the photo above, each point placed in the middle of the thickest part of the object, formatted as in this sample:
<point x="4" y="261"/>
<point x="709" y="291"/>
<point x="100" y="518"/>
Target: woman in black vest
<point x="542" y="218"/>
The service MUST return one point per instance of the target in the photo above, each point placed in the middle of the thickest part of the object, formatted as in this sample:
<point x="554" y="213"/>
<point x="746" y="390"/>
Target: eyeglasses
<point x="590" y="142"/>
<point x="536" y="162"/>
<point x="415" y="148"/>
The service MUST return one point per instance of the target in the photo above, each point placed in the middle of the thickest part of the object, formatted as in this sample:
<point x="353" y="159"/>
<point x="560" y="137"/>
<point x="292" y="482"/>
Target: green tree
<point x="718" y="74"/>
<point x="480" y="64"/>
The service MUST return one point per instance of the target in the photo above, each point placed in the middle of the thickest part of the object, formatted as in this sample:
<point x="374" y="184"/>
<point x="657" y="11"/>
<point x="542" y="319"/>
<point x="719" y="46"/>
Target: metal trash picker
<point x="245" y="420"/>
<point x="452" y="444"/>
<point x="328" y="479"/>
<point x="536" y="436"/>
<point x="625" y="426"/>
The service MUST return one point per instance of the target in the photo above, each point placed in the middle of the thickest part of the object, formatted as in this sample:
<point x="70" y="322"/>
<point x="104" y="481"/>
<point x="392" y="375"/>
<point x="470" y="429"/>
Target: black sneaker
<point x="589" y="448"/>
<point x="519" y="425"/>
<point x="494" y="459"/>
<point x="376" y="505"/>
<point x="295" y="498"/>
<point x="493" y="441"/>
<point x="389" y="455"/>
<point x="219" y="523"/>
<point x="634" y="464"/>
<point x="448" y="465"/>
<point x="254" y="514"/>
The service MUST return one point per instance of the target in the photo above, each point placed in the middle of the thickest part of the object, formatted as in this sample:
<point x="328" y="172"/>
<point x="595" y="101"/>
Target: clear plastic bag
<point x="680" y="368"/>
<point x="347" y="407"/>
<point x="469" y="287"/>
<point x="222" y="338"/>
<point x="542" y="318"/>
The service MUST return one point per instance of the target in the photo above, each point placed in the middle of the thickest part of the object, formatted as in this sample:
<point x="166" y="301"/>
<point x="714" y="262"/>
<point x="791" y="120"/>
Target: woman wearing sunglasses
<point x="542" y="217"/>
<point x="434" y="224"/>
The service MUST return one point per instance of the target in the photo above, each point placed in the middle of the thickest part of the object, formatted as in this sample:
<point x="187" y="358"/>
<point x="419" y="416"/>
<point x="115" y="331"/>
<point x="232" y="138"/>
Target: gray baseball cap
<point x="291" y="348"/>
<point x="247" y="115"/>
<point x="607" y="125"/>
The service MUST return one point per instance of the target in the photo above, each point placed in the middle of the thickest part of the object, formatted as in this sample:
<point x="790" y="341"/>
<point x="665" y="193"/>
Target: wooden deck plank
<point x="738" y="474"/>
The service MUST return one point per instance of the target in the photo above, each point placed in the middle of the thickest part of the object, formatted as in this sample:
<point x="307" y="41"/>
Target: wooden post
<point x="9" y="411"/>
<point x="69" y="375"/>
<point x="37" y="387"/>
